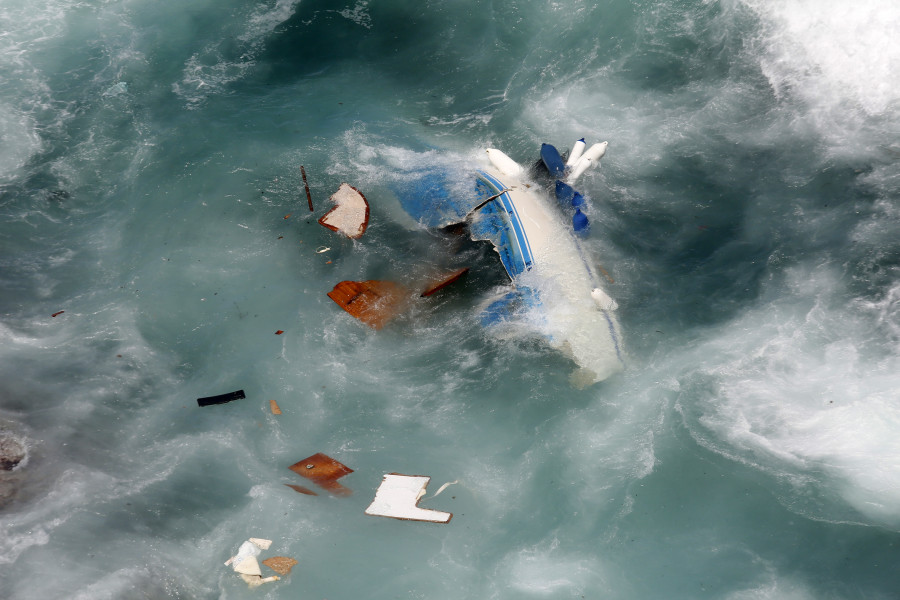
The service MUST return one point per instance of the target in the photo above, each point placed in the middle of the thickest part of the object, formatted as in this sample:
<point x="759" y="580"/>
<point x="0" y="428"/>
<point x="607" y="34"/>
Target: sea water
<point x="746" y="214"/>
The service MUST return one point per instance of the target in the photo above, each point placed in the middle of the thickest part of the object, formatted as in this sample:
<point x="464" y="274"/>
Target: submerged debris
<point x="373" y="302"/>
<point x="13" y="458"/>
<point x="398" y="496"/>
<point x="221" y="399"/>
<point x="444" y="281"/>
<point x="350" y="215"/>
<point x="301" y="489"/>
<point x="12" y="452"/>
<point x="324" y="471"/>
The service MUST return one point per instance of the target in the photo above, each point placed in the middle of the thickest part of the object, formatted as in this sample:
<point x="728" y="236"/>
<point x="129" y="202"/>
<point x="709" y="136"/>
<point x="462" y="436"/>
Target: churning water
<point x="748" y="211"/>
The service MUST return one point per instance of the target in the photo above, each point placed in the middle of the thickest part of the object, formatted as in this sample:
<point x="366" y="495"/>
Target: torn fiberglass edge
<point x="350" y="214"/>
<point x="398" y="497"/>
<point x="555" y="291"/>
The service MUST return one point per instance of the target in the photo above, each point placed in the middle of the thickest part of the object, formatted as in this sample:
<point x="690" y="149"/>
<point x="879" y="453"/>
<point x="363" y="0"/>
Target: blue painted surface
<point x="552" y="160"/>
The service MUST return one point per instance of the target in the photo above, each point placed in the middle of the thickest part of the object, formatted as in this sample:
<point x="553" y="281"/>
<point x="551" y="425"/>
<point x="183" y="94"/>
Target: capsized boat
<point x="555" y="289"/>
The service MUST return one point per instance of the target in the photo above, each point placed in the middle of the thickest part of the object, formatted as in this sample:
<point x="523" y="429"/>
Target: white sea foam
<point x="804" y="387"/>
<point x="775" y="589"/>
<point x="212" y="69"/>
<point x="835" y="55"/>
<point x="20" y="141"/>
<point x="547" y="571"/>
<point x="842" y="62"/>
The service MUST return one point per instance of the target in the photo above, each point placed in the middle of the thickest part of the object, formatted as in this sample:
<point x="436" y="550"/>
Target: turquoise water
<point x="747" y="211"/>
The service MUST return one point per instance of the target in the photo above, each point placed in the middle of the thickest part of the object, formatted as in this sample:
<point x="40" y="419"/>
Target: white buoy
<point x="603" y="300"/>
<point x="503" y="163"/>
<point x="587" y="160"/>
<point x="575" y="154"/>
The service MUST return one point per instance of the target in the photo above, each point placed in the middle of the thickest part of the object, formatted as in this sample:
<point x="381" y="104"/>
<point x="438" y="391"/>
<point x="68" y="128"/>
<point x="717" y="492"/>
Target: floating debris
<point x="12" y="451"/>
<point x="445" y="281"/>
<point x="324" y="471"/>
<point x="279" y="332"/>
<point x="273" y="406"/>
<point x="301" y="489"/>
<point x="398" y="496"/>
<point x="306" y="185"/>
<point x="373" y="302"/>
<point x="350" y="215"/>
<point x="245" y="564"/>
<point x="280" y="564"/>
<point x="56" y="314"/>
<point x="221" y="399"/>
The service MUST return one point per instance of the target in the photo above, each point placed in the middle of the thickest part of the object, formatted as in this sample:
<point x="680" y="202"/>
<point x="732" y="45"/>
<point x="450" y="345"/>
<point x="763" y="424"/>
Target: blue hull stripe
<point x="514" y="219"/>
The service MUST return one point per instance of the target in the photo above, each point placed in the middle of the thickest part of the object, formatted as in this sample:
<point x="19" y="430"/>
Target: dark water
<point x="747" y="211"/>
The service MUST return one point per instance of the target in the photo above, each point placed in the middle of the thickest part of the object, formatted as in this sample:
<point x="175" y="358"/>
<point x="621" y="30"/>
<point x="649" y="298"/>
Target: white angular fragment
<point x="397" y="498"/>
<point x="260" y="543"/>
<point x="350" y="215"/>
<point x="248" y="566"/>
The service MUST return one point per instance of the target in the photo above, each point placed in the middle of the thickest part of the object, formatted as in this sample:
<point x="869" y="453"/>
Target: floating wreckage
<point x="221" y="398"/>
<point x="555" y="290"/>
<point x="245" y="562"/>
<point x="322" y="470"/>
<point x="350" y="214"/>
<point x="13" y="458"/>
<point x="373" y="302"/>
<point x="398" y="497"/>
<point x="376" y="302"/>
<point x="280" y="564"/>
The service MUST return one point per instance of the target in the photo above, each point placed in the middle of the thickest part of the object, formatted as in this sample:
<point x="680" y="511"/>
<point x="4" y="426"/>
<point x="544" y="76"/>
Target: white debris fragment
<point x="245" y="564"/>
<point x="350" y="214"/>
<point x="397" y="497"/>
<point x="260" y="543"/>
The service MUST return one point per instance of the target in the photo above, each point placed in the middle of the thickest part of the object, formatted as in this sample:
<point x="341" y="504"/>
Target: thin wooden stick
<point x="306" y="185"/>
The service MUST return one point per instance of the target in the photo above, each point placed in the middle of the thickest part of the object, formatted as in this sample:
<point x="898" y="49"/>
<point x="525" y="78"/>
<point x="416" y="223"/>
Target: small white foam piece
<point x="257" y="580"/>
<point x="260" y="543"/>
<point x="397" y="497"/>
<point x="249" y="549"/>
<point x="503" y="163"/>
<point x="248" y="566"/>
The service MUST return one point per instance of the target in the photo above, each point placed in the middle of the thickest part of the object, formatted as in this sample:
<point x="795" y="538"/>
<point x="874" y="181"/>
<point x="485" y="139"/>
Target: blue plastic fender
<point x="552" y="160"/>
<point x="580" y="222"/>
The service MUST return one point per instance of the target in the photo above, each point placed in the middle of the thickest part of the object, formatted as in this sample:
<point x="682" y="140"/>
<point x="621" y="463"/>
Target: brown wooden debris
<point x="444" y="281"/>
<point x="276" y="410"/>
<point x="301" y="489"/>
<point x="56" y="314"/>
<point x="324" y="471"/>
<point x="280" y="564"/>
<point x="306" y="185"/>
<point x="373" y="302"/>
